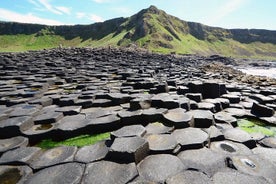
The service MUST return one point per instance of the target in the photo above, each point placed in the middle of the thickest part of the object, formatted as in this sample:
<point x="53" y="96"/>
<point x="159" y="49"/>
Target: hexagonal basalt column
<point x="109" y="172"/>
<point x="129" y="131"/>
<point x="128" y="149"/>
<point x="14" y="174"/>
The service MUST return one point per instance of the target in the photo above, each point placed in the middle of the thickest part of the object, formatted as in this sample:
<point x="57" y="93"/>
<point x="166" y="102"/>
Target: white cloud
<point x="26" y="18"/>
<point x="102" y="1"/>
<point x="224" y="10"/>
<point x="80" y="15"/>
<point x="64" y="9"/>
<point x="34" y="3"/>
<point x="96" y="18"/>
<point x="49" y="7"/>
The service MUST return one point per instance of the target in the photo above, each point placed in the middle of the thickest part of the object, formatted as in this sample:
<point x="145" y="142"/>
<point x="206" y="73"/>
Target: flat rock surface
<point x="109" y="172"/>
<point x="158" y="168"/>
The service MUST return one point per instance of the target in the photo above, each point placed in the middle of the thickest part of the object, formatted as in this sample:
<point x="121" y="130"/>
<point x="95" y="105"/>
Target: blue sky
<point x="259" y="14"/>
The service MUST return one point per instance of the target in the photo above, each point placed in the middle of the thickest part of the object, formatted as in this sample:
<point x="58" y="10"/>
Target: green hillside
<point x="150" y="28"/>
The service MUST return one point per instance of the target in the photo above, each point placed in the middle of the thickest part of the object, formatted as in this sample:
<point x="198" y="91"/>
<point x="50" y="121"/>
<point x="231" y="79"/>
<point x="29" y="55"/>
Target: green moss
<point x="256" y="126"/>
<point x="82" y="140"/>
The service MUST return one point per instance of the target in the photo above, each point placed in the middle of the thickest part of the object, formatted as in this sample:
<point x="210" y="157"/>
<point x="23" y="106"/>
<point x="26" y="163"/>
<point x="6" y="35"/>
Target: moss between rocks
<point x="82" y="140"/>
<point x="256" y="126"/>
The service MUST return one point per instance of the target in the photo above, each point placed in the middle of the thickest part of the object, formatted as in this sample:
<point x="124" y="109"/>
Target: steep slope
<point x="151" y="29"/>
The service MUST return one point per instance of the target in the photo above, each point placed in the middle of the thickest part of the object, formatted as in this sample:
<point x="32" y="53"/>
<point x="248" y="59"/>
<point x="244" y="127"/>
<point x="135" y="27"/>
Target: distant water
<point x="268" y="72"/>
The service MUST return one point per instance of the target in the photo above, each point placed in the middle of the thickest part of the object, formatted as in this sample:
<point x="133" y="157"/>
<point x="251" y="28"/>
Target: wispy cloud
<point x="96" y="18"/>
<point x="26" y="18"/>
<point x="64" y="9"/>
<point x="225" y="10"/>
<point x="45" y="5"/>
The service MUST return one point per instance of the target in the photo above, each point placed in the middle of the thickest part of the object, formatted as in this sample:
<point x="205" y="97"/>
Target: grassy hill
<point x="150" y="28"/>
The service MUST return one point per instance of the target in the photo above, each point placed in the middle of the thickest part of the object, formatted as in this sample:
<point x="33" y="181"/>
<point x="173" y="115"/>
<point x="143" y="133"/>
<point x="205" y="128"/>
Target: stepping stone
<point x="103" y="124"/>
<point x="69" y="101"/>
<point x="206" y="106"/>
<point x="39" y="132"/>
<point x="129" y="131"/>
<point x="224" y="102"/>
<point x="70" y="173"/>
<point x="153" y="114"/>
<point x="201" y="118"/>
<point x="178" y="118"/>
<point x="262" y="110"/>
<point x="19" y="156"/>
<point x="47" y="118"/>
<point x="184" y="103"/>
<point x="109" y="172"/>
<point x="69" y="110"/>
<point x="233" y="176"/>
<point x="190" y="138"/>
<point x="195" y="87"/>
<point x="215" y="102"/>
<point x="214" y="133"/>
<point x="140" y="103"/>
<point x="92" y="153"/>
<point x="211" y="89"/>
<point x="203" y="160"/>
<point x="44" y="101"/>
<point x="268" y="142"/>
<point x="161" y="143"/>
<point x="69" y="124"/>
<point x="266" y="153"/>
<point x="158" y="168"/>
<point x="230" y="148"/>
<point x="101" y="103"/>
<point x="12" y="143"/>
<point x="191" y="177"/>
<point x="83" y="103"/>
<point x="253" y="165"/>
<point x="14" y="174"/>
<point x="14" y="126"/>
<point x="240" y="136"/>
<point x="92" y="113"/>
<point x="261" y="98"/>
<point x="158" y="128"/>
<point x="232" y="98"/>
<point x="224" y="117"/>
<point x="54" y="156"/>
<point x="197" y="97"/>
<point x="128" y="149"/>
<point x="119" y="98"/>
<point x="25" y="110"/>
<point x="237" y="113"/>
<point x="131" y="117"/>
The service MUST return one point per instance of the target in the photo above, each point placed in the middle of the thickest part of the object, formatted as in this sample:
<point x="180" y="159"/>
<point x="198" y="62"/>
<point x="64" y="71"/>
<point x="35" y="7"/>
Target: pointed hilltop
<point x="151" y="29"/>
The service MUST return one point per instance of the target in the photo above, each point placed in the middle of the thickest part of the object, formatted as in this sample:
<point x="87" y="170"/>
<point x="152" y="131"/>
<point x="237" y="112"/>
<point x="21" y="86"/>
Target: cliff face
<point x="155" y="30"/>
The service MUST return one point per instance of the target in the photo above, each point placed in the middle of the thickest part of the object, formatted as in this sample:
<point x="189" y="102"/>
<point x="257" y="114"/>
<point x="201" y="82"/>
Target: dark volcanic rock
<point x="190" y="138"/>
<point x="254" y="165"/>
<point x="262" y="110"/>
<point x="158" y="128"/>
<point x="70" y="173"/>
<point x="157" y="168"/>
<point x="268" y="142"/>
<point x="14" y="174"/>
<point x="54" y="156"/>
<point x="128" y="149"/>
<point x="201" y="118"/>
<point x="129" y="131"/>
<point x="178" y="118"/>
<point x="232" y="176"/>
<point x="191" y="177"/>
<point x="109" y="172"/>
<point x="12" y="143"/>
<point x="230" y="148"/>
<point x="21" y="156"/>
<point x="161" y="143"/>
<point x="92" y="153"/>
<point x="204" y="160"/>
<point x="238" y="135"/>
